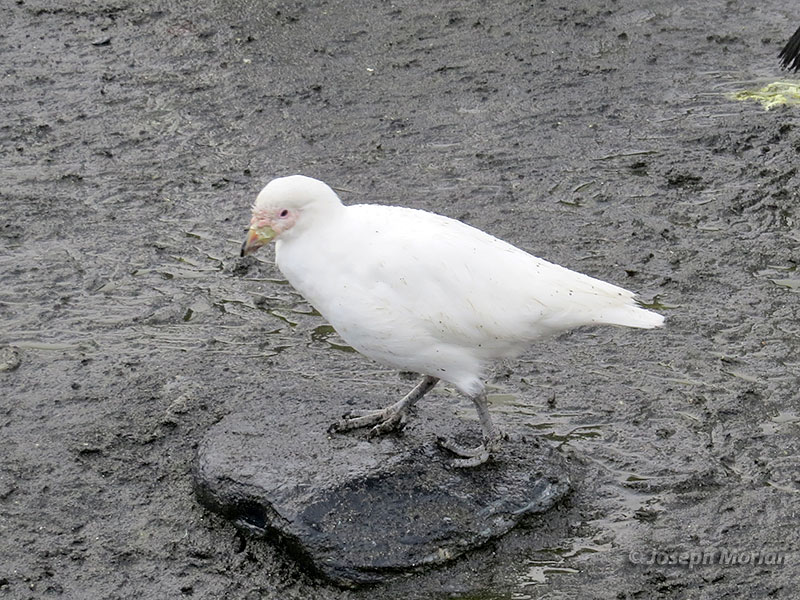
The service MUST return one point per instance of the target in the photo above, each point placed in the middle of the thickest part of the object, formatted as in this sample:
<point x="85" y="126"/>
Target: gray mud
<point x="599" y="135"/>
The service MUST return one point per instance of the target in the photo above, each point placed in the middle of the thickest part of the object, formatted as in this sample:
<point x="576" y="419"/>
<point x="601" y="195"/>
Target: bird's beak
<point x="257" y="237"/>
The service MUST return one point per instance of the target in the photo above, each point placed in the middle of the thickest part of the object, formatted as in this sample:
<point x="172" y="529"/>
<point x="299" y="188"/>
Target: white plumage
<point x="420" y="292"/>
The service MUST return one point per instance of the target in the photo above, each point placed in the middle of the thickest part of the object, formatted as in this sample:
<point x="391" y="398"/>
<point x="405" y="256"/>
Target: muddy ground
<point x="599" y="135"/>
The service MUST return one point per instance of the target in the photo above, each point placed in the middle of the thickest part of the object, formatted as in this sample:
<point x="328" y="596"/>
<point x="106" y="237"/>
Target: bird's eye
<point x="283" y="214"/>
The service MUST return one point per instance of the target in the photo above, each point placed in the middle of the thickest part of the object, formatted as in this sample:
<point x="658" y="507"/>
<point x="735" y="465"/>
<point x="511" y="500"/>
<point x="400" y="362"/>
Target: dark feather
<point x="790" y="55"/>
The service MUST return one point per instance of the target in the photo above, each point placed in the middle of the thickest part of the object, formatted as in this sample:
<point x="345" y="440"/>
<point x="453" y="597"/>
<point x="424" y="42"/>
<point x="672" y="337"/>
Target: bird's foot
<point x="381" y="421"/>
<point x="470" y="457"/>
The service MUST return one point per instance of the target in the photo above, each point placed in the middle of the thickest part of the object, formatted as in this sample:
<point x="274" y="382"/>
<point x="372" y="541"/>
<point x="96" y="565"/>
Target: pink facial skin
<point x="279" y="219"/>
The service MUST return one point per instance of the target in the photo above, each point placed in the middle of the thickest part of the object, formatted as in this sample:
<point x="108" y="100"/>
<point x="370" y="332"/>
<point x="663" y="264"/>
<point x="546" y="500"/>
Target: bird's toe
<point x="380" y="421"/>
<point x="458" y="449"/>
<point x="355" y="419"/>
<point x="481" y="456"/>
<point x="451" y="446"/>
<point x="470" y="457"/>
<point x="394" y="422"/>
<point x="337" y="426"/>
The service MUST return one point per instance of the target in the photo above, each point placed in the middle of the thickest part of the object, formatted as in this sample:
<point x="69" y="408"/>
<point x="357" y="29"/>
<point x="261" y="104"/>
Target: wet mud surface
<point x="599" y="135"/>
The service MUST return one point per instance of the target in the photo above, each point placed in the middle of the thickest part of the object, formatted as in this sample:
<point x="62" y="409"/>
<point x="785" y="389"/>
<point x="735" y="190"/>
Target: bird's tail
<point x="632" y="315"/>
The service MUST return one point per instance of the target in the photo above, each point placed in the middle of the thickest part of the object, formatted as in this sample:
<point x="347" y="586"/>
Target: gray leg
<point x="472" y="457"/>
<point x="391" y="418"/>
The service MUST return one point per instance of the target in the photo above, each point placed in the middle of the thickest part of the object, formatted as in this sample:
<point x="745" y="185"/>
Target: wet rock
<point x="359" y="511"/>
<point x="9" y="358"/>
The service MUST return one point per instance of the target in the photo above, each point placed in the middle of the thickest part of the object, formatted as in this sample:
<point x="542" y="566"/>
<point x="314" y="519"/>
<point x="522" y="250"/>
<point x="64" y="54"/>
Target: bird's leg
<point x="391" y="418"/>
<point x="472" y="457"/>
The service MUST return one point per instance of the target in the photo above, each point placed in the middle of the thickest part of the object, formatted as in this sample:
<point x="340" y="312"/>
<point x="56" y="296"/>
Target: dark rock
<point x="358" y="511"/>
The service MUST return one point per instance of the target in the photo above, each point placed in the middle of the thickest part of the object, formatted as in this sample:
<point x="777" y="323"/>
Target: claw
<point x="480" y="458"/>
<point x="380" y="421"/>
<point x="391" y="418"/>
<point x="395" y="422"/>
<point x="458" y="449"/>
<point x="470" y="457"/>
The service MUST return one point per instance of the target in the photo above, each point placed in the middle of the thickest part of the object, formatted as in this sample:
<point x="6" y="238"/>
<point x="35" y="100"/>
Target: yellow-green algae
<point x="772" y="94"/>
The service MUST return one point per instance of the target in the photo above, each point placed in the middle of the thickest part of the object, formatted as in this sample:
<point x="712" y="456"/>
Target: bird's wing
<point x="467" y="288"/>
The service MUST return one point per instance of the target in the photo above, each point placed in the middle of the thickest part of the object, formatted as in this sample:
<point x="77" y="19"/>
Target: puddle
<point x="549" y="564"/>
<point x="780" y="423"/>
<point x="327" y="334"/>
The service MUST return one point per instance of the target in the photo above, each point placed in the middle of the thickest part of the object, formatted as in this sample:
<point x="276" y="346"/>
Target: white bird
<point x="424" y="293"/>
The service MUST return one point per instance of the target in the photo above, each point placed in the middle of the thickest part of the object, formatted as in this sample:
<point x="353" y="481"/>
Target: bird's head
<point x="287" y="203"/>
